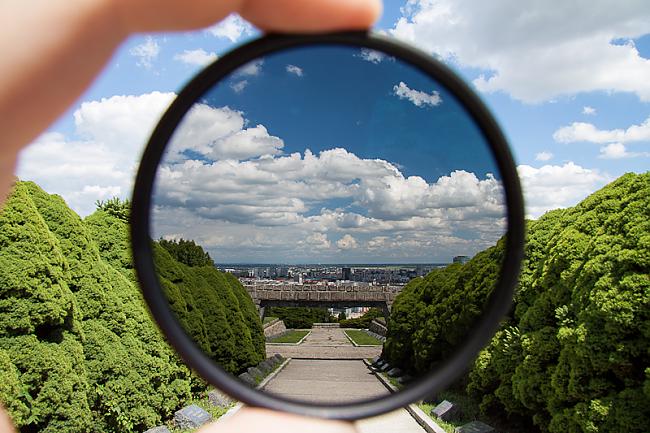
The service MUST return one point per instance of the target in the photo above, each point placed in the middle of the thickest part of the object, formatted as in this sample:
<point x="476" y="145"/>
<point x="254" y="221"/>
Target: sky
<point x="338" y="154"/>
<point x="568" y="84"/>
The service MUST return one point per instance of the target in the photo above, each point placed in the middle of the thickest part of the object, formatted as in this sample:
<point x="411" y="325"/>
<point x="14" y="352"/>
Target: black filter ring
<point x="496" y="307"/>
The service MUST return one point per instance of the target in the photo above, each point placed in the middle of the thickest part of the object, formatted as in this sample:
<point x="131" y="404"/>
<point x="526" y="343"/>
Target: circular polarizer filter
<point x="319" y="217"/>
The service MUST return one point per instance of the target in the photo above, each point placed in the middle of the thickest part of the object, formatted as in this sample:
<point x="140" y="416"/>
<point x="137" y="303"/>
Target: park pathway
<point x="319" y="378"/>
<point x="323" y="343"/>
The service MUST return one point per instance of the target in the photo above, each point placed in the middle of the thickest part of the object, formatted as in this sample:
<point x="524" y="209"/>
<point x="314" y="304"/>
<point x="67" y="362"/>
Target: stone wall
<point x="377" y="328"/>
<point x="274" y="327"/>
<point x="322" y="293"/>
<point x="326" y="325"/>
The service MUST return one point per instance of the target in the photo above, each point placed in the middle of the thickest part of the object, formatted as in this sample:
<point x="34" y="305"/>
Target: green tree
<point x="186" y="252"/>
<point x="364" y="321"/>
<point x="115" y="208"/>
<point x="572" y="356"/>
<point x="39" y="324"/>
<point x="576" y="357"/>
<point x="299" y="317"/>
<point x="129" y="366"/>
<point x="78" y="351"/>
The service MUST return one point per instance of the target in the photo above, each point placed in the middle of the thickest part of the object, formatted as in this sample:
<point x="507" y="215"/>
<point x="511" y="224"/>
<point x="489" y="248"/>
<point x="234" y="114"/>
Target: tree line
<point x="78" y="350"/>
<point x="573" y="354"/>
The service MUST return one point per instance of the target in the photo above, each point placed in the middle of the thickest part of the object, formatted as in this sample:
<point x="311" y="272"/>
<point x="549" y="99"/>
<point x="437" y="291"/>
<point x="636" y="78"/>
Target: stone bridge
<point x="331" y="295"/>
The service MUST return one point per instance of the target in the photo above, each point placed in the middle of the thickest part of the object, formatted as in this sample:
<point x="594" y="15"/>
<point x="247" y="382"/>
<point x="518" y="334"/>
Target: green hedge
<point x="300" y="317"/>
<point x="364" y="321"/>
<point x="573" y="356"/>
<point x="215" y="310"/>
<point x="78" y="351"/>
<point x="432" y="315"/>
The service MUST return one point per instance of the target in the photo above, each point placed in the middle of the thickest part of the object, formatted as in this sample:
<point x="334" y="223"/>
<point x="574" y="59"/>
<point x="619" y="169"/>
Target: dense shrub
<point x="78" y="351"/>
<point x="300" y="317"/>
<point x="216" y="311"/>
<point x="115" y="208"/>
<point x="364" y="321"/>
<point x="186" y="252"/>
<point x="432" y="315"/>
<point x="582" y="317"/>
<point x="573" y="355"/>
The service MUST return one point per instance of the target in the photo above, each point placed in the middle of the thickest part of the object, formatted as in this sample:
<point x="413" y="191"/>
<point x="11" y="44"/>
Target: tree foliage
<point x="186" y="252"/>
<point x="78" y="351"/>
<point x="300" y="317"/>
<point x="215" y="310"/>
<point x="364" y="321"/>
<point x="432" y="315"/>
<point x="116" y="208"/>
<point x="573" y="356"/>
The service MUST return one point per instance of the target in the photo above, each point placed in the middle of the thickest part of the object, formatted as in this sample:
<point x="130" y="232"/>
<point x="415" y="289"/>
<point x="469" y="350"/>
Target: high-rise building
<point x="346" y="274"/>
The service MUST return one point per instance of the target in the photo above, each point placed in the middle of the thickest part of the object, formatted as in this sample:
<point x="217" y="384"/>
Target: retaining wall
<point x="274" y="327"/>
<point x="378" y="328"/>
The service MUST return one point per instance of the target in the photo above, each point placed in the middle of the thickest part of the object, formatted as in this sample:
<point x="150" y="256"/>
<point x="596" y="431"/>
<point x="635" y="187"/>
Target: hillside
<point x="574" y="355"/>
<point x="78" y="351"/>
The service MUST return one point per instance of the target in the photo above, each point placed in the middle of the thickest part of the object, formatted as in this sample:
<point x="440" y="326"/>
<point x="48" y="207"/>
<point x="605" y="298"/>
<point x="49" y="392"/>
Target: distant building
<point x="461" y="259"/>
<point x="346" y="274"/>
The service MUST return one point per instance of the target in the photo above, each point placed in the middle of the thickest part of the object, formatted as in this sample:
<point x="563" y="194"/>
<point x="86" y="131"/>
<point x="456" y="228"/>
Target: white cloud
<point x="543" y="156"/>
<point x="252" y="68"/>
<point x="146" y="52"/>
<point x="581" y="131"/>
<point x="198" y="57"/>
<point x="540" y="51"/>
<point x="241" y="193"/>
<point x="318" y="240"/>
<point x="588" y="111"/>
<point x="293" y="69"/>
<point x="232" y="28"/>
<point x="239" y="86"/>
<point x="415" y="96"/>
<point x="247" y="143"/>
<point x="619" y="151"/>
<point x="557" y="186"/>
<point x="100" y="161"/>
<point x="371" y="56"/>
<point x="614" y="151"/>
<point x="347" y="242"/>
<point x="220" y="133"/>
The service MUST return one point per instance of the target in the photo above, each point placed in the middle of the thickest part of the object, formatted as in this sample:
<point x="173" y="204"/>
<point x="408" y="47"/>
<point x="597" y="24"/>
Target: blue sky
<point x="332" y="153"/>
<point x="570" y="89"/>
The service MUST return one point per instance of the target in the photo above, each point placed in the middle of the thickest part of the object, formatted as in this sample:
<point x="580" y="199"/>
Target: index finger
<point x="278" y="15"/>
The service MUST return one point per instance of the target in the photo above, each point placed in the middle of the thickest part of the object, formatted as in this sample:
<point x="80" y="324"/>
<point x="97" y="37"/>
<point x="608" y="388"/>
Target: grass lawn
<point x="468" y="408"/>
<point x="291" y="336"/>
<point x="268" y="319"/>
<point x="362" y="338"/>
<point x="469" y="412"/>
<point x="448" y="427"/>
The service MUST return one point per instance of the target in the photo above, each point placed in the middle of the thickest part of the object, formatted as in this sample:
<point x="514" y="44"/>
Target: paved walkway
<point x="337" y="380"/>
<point x="324" y="343"/>
<point x="321" y="381"/>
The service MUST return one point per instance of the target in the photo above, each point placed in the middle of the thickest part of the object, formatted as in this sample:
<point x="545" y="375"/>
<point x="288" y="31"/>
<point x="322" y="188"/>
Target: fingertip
<point x="311" y="15"/>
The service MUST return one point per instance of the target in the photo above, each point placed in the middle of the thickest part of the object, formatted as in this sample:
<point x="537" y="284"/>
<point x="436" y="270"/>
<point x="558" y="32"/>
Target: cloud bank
<point x="536" y="43"/>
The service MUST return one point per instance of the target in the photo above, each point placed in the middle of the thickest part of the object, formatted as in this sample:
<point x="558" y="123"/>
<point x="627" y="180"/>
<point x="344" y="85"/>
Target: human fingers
<point x="253" y="420"/>
<point x="5" y="423"/>
<point x="277" y="15"/>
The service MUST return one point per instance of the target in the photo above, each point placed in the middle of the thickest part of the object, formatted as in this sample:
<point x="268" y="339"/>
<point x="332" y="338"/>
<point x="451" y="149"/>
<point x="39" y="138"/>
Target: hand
<point x="51" y="50"/>
<point x="257" y="420"/>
